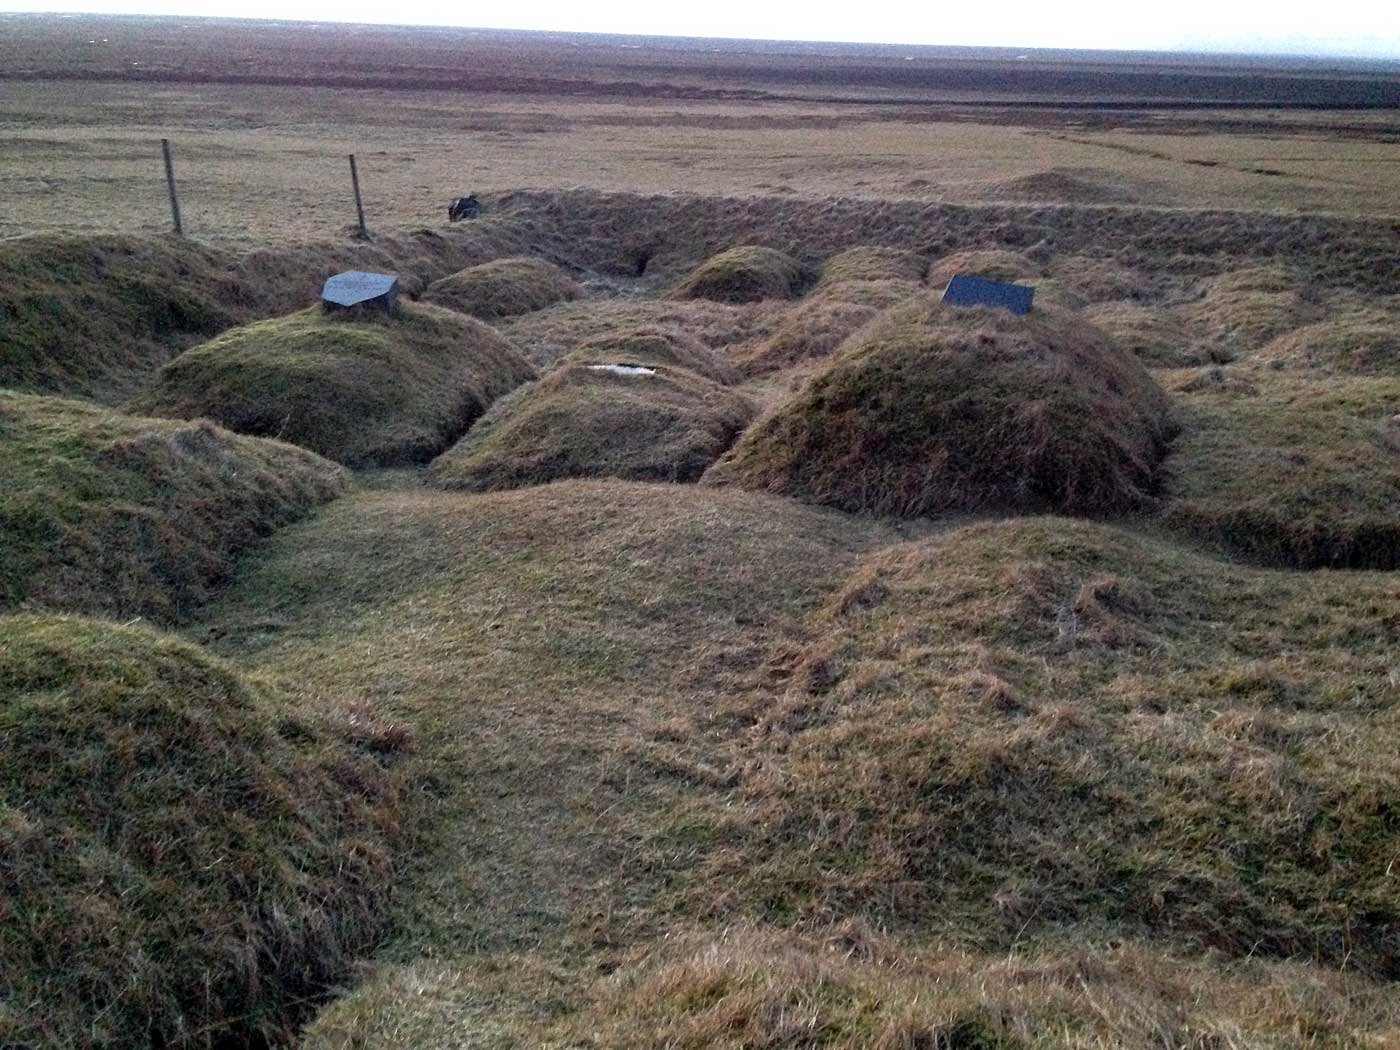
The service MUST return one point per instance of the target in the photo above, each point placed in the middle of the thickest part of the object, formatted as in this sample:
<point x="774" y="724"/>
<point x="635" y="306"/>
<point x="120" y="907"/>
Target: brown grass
<point x="503" y="288"/>
<point x="865" y="263"/>
<point x="933" y="409"/>
<point x="996" y="265"/>
<point x="1157" y="336"/>
<point x="1358" y="341"/>
<point x="746" y="274"/>
<point x="184" y="859"/>
<point x="582" y="421"/>
<point x="359" y="388"/>
<point x="125" y="516"/>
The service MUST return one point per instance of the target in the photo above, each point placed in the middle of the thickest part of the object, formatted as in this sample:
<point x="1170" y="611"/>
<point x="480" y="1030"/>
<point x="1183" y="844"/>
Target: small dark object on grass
<point x="467" y="207"/>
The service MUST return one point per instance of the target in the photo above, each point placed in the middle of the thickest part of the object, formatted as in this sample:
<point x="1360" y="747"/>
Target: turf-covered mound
<point x="745" y="274"/>
<point x="656" y="346"/>
<point x="91" y="316"/>
<point x="991" y="263"/>
<point x="637" y="423"/>
<point x="360" y="389"/>
<point x="1156" y="335"/>
<point x="183" y="861"/>
<point x="126" y="516"/>
<point x="810" y="330"/>
<point x="503" y="288"/>
<point x="933" y="409"/>
<point x="865" y="263"/>
<point x="548" y="335"/>
<point x="1359" y="341"/>
<point x="1288" y="468"/>
<point x="1240" y="311"/>
<point x="1021" y="728"/>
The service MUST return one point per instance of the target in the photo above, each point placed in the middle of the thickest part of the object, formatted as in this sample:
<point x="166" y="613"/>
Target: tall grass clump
<point x="503" y="288"/>
<point x="746" y="274"/>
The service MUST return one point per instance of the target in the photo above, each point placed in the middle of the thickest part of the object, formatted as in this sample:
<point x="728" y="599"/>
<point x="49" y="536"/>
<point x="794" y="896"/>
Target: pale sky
<point x="1339" y="27"/>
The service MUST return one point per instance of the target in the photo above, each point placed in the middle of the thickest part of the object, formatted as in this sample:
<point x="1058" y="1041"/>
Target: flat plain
<point x="673" y="628"/>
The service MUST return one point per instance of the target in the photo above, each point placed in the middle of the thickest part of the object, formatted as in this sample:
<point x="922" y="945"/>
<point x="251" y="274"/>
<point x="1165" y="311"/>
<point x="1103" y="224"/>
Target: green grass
<point x="657" y="346"/>
<point x="185" y="860"/>
<point x="362" y="389"/>
<point x="583" y="421"/>
<point x="932" y="409"/>
<point x="503" y="288"/>
<point x="126" y="516"/>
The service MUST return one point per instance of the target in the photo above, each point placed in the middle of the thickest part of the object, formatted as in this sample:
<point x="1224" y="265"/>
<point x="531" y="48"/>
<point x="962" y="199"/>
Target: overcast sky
<point x="1338" y="27"/>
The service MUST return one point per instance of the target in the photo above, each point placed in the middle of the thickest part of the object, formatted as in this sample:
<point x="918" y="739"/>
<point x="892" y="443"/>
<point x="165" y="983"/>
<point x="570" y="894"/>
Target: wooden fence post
<point x="170" y="185"/>
<point x="359" y="205"/>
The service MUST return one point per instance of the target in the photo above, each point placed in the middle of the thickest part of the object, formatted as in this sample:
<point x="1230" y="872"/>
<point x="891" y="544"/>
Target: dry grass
<point x="125" y="516"/>
<point x="746" y="274"/>
<point x="865" y="263"/>
<point x="503" y="288"/>
<point x="995" y="265"/>
<point x="1157" y="336"/>
<point x="1240" y="311"/>
<point x="184" y="859"/>
<point x="1018" y="729"/>
<point x="932" y="409"/>
<point x="583" y="421"/>
<point x="550" y="334"/>
<point x="1357" y="341"/>
<point x="361" y="388"/>
<point x="1287" y="469"/>
<point x="756" y="989"/>
<point x="668" y="347"/>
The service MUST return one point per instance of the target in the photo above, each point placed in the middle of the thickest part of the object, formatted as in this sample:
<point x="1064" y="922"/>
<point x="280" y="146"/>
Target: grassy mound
<point x="1025" y="727"/>
<point x="656" y="346"/>
<point x="96" y="316"/>
<point x="1362" y="341"/>
<point x="365" y="389"/>
<point x="993" y="264"/>
<point x="503" y="288"/>
<point x="873" y="264"/>
<point x="114" y="514"/>
<point x="933" y="409"/>
<point x="1156" y="335"/>
<point x="93" y="316"/>
<point x="550" y="334"/>
<point x="1240" y="311"/>
<point x="182" y="861"/>
<point x="583" y="421"/>
<point x="1288" y="469"/>
<point x="745" y="274"/>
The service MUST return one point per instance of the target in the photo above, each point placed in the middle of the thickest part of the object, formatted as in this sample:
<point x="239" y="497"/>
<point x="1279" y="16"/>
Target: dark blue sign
<point x="963" y="290"/>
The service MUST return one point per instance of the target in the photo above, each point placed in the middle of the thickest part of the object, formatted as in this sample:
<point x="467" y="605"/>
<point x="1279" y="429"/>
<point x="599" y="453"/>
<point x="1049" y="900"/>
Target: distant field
<point x="261" y="121"/>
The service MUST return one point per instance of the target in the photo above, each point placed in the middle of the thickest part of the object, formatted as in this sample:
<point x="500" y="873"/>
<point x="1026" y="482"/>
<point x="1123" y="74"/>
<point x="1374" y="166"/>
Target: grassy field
<point x="695" y="636"/>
